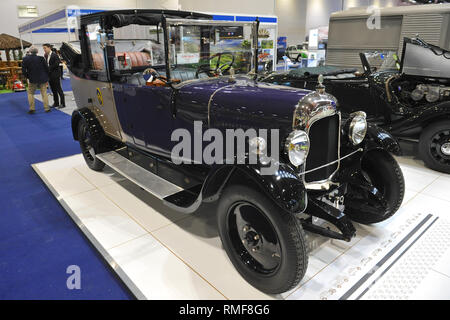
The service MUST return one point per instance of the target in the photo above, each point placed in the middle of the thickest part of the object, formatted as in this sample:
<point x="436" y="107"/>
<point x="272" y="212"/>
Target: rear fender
<point x="95" y="129"/>
<point x="421" y="118"/>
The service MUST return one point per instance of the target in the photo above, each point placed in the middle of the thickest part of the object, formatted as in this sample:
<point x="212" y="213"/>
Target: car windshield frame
<point x="178" y="22"/>
<point x="387" y="62"/>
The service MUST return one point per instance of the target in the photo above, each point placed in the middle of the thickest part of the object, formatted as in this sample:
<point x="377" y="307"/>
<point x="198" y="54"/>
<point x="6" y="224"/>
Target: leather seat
<point x="186" y="74"/>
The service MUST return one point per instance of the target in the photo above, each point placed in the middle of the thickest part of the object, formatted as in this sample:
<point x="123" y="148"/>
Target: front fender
<point x="377" y="138"/>
<point x="285" y="187"/>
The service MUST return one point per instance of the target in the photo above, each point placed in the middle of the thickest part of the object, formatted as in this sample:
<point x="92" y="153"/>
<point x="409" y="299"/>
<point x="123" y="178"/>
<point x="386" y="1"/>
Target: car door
<point x="145" y="116"/>
<point x="95" y="91"/>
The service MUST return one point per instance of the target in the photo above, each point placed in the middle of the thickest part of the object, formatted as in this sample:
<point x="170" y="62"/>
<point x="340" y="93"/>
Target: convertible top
<point x="301" y="73"/>
<point x="122" y="18"/>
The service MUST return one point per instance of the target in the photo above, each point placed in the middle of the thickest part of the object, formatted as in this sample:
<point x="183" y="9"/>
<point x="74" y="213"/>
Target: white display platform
<point x="163" y="254"/>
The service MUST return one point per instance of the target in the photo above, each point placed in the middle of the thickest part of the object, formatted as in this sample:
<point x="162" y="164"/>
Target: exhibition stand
<point x="162" y="254"/>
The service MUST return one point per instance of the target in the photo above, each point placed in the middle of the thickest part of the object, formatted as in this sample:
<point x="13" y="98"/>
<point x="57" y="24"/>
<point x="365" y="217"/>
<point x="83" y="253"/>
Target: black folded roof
<point x="122" y="18"/>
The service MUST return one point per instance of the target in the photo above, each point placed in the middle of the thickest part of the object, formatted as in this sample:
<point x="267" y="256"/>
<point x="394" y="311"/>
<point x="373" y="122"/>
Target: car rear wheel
<point x="265" y="244"/>
<point x="382" y="171"/>
<point x="434" y="146"/>
<point x="87" y="144"/>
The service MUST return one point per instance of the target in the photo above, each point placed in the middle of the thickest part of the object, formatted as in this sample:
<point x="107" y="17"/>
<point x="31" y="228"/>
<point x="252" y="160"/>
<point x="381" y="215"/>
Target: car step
<point x="147" y="180"/>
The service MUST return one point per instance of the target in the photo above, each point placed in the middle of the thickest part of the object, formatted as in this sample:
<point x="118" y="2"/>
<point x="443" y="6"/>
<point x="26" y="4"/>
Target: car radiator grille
<point x="324" y="137"/>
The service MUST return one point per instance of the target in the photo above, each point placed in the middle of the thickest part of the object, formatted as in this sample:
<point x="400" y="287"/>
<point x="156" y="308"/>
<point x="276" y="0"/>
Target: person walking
<point x="35" y="69"/>
<point x="54" y="74"/>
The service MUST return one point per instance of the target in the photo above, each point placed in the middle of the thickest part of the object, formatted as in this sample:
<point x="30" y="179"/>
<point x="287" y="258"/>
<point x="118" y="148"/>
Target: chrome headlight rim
<point x="357" y="134"/>
<point x="297" y="147"/>
<point x="258" y="145"/>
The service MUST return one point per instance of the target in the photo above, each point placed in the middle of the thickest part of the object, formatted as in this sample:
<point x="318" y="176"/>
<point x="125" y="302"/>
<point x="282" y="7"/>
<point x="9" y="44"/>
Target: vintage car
<point x="141" y="76"/>
<point x="297" y="53"/>
<point x="410" y="101"/>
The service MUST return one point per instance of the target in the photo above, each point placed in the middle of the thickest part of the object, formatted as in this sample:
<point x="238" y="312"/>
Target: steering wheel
<point x="220" y="69"/>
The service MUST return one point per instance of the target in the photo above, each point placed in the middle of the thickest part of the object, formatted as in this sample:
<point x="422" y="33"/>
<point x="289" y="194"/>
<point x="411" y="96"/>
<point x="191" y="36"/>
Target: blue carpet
<point x="65" y="84"/>
<point x="38" y="240"/>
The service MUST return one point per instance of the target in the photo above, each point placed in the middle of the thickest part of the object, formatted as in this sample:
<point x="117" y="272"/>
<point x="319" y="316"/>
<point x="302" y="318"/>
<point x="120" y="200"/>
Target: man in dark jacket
<point x="54" y="74"/>
<point x="35" y="69"/>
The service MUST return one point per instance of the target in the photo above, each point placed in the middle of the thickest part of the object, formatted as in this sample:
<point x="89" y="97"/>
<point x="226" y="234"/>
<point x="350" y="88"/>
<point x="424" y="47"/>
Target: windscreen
<point x="382" y="61"/>
<point x="198" y="50"/>
<point x="143" y="44"/>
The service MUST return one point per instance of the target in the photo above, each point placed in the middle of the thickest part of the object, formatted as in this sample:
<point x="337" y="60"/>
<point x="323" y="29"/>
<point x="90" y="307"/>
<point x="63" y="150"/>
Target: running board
<point x="147" y="180"/>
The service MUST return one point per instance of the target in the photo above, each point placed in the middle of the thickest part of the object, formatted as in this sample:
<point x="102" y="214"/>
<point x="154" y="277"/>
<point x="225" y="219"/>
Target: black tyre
<point x="383" y="172"/>
<point x="87" y="147"/>
<point x="434" y="146"/>
<point x="265" y="244"/>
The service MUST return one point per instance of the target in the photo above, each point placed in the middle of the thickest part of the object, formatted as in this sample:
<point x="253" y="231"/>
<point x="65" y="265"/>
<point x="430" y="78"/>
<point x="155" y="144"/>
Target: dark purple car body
<point x="327" y="170"/>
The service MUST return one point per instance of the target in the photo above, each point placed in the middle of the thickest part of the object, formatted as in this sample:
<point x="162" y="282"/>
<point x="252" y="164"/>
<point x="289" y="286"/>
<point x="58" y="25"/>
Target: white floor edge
<point x="122" y="275"/>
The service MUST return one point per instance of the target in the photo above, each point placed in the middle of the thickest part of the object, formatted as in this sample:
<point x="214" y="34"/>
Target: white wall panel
<point x="291" y="20"/>
<point x="262" y="7"/>
<point x="9" y="20"/>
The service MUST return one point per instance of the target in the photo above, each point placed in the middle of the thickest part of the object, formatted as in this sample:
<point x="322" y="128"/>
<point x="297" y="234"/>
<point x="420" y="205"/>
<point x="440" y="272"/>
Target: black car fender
<point x="421" y="118"/>
<point x="284" y="187"/>
<point x="378" y="138"/>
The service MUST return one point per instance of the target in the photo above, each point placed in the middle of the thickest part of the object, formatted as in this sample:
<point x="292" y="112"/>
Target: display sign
<point x="313" y="43"/>
<point x="231" y="32"/>
<point x="27" y="11"/>
<point x="185" y="58"/>
<point x="282" y="42"/>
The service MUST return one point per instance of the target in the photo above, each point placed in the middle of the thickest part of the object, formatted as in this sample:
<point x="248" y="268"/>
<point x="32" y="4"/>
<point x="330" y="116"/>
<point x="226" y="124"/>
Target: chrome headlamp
<point x="297" y="147"/>
<point x="358" y="127"/>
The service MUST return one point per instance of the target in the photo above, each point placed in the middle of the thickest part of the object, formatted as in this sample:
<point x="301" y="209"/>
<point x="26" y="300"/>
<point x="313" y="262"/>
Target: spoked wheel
<point x="87" y="147"/>
<point x="434" y="146"/>
<point x="381" y="194"/>
<point x="265" y="244"/>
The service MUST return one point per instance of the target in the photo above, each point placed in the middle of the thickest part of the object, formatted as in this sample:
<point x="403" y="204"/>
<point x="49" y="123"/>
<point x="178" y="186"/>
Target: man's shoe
<point x="61" y="106"/>
<point x="54" y="106"/>
<point x="31" y="111"/>
<point x="48" y="110"/>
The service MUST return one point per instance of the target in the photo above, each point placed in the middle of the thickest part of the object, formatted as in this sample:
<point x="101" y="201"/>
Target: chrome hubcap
<point x="445" y="149"/>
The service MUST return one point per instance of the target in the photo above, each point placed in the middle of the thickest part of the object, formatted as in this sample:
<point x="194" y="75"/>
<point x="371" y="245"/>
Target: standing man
<point x="35" y="69"/>
<point x="54" y="74"/>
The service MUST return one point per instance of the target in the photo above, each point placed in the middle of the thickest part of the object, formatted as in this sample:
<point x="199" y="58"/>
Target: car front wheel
<point x="87" y="144"/>
<point x="434" y="146"/>
<point x="266" y="245"/>
<point x="381" y="171"/>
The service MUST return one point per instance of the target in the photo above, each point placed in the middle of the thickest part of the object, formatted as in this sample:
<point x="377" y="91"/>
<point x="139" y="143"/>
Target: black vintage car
<point x="412" y="102"/>
<point x="145" y="78"/>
